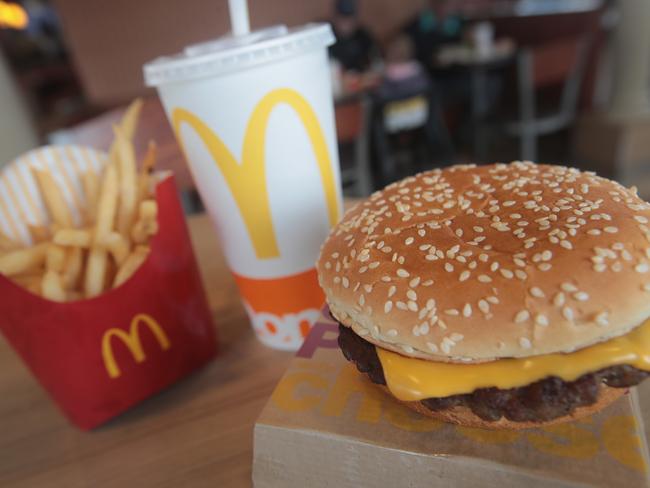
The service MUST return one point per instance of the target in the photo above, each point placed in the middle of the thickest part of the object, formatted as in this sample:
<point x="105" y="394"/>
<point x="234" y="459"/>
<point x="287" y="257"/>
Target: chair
<point x="415" y="114"/>
<point x="561" y="62"/>
<point x="352" y="129"/>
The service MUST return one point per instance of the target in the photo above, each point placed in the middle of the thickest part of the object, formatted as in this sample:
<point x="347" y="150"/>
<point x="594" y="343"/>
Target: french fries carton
<point x="327" y="425"/>
<point x="99" y="356"/>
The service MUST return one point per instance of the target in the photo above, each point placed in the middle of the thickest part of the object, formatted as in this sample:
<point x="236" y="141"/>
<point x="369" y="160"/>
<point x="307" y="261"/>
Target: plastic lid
<point x="229" y="54"/>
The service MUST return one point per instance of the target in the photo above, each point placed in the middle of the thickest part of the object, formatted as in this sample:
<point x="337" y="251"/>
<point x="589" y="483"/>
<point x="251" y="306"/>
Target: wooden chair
<point x="557" y="63"/>
<point x="352" y="117"/>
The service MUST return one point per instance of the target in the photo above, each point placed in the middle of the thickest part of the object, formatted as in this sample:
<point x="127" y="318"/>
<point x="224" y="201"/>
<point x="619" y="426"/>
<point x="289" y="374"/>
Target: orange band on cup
<point x="280" y="296"/>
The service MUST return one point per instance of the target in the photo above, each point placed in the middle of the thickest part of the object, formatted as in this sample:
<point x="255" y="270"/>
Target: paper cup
<point x="256" y="124"/>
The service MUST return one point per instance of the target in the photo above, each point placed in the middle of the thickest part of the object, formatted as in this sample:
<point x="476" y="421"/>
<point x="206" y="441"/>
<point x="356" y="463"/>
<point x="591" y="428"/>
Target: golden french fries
<point x="73" y="237"/>
<point x="8" y="244"/>
<point x="53" y="198"/>
<point x="65" y="262"/>
<point x="90" y="183"/>
<point x="131" y="264"/>
<point x="52" y="286"/>
<point x="23" y="260"/>
<point x="39" y="233"/>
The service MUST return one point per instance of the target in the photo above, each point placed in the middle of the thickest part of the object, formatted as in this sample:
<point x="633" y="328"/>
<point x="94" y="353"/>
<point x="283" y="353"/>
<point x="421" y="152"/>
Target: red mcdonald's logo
<point x="132" y="341"/>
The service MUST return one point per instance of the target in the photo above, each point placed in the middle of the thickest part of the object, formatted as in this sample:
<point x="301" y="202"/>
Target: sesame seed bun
<point x="465" y="417"/>
<point x="471" y="264"/>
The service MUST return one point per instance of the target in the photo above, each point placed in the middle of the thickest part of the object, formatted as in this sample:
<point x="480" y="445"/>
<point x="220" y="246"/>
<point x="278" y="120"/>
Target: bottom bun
<point x="465" y="417"/>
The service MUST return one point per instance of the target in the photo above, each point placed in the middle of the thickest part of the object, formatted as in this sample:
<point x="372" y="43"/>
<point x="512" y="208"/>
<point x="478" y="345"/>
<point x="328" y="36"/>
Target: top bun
<point x="477" y="263"/>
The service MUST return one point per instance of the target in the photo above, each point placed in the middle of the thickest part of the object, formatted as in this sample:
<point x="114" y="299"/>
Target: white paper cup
<point x="256" y="122"/>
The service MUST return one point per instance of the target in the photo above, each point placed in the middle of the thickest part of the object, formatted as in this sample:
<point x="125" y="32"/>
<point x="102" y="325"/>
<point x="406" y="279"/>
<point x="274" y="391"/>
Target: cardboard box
<point x="326" y="425"/>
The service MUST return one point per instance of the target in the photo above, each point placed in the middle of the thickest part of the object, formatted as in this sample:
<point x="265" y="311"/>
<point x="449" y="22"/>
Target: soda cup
<point x="254" y="116"/>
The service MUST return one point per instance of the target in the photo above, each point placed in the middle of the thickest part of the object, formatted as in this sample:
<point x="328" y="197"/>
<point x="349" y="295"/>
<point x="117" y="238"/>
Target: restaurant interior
<point x="417" y="85"/>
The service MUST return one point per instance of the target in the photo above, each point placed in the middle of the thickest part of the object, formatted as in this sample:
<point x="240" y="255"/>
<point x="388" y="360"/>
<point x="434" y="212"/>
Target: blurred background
<point x="418" y="83"/>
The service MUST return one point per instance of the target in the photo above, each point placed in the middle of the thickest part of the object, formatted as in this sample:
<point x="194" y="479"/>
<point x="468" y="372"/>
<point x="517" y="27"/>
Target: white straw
<point x="239" y="17"/>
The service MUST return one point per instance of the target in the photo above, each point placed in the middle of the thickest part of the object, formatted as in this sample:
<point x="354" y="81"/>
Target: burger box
<point x="326" y="425"/>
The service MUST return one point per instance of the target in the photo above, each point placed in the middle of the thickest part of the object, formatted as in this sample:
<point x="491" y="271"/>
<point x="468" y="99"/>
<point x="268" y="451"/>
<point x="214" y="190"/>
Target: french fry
<point x="39" y="233"/>
<point x="118" y="246"/>
<point x="55" y="258"/>
<point x="127" y="175"/>
<point x="131" y="264"/>
<point x="73" y="268"/>
<point x="127" y="124"/>
<point x="73" y="237"/>
<point x="96" y="264"/>
<point x="147" y="224"/>
<point x="52" y="286"/>
<point x="90" y="182"/>
<point x="31" y="282"/>
<point x="53" y="198"/>
<point x="22" y="260"/>
<point x="8" y="244"/>
<point x="144" y="178"/>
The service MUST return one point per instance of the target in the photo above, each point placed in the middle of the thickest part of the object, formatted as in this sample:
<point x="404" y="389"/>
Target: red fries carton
<point x="100" y="356"/>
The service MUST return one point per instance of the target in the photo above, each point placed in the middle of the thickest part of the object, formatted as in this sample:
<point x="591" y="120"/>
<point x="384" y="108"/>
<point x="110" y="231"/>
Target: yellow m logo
<point x="132" y="341"/>
<point x="247" y="181"/>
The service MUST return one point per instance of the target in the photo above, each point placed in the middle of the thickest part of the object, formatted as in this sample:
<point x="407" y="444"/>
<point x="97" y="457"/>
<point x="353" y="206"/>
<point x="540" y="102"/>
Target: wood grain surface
<point x="197" y="433"/>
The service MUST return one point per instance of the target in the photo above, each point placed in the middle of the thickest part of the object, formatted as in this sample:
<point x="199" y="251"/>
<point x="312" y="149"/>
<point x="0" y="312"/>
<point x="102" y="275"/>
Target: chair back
<point x="559" y="62"/>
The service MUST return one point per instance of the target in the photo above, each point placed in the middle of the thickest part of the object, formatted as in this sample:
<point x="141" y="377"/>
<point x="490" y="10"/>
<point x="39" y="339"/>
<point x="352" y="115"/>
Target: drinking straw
<point x="239" y="17"/>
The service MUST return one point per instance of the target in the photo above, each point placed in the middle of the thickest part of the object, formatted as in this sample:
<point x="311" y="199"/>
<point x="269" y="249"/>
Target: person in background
<point x="355" y="49"/>
<point x="436" y="24"/>
<point x="404" y="75"/>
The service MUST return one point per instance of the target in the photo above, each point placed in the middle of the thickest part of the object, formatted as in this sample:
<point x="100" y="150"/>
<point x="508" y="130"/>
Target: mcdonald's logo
<point x="132" y="341"/>
<point x="247" y="181"/>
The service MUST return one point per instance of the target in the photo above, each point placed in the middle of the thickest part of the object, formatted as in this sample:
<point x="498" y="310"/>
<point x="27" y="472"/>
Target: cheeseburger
<point x="498" y="296"/>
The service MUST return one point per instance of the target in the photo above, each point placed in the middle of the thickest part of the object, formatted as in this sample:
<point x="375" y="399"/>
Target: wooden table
<point x="197" y="433"/>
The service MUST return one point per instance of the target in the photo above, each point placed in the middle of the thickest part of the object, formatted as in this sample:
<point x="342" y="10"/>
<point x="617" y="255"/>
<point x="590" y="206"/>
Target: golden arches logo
<point x="132" y="341"/>
<point x="247" y="181"/>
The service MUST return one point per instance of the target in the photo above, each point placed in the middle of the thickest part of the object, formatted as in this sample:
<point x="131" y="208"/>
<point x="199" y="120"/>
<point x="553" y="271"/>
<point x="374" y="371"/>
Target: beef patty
<point x="543" y="400"/>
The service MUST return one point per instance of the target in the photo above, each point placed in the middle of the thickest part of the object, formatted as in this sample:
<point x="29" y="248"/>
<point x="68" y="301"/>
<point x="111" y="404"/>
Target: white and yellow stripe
<point x="20" y="198"/>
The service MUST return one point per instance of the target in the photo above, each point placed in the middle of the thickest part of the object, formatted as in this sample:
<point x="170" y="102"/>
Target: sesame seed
<point x="386" y="279"/>
<point x="581" y="296"/>
<point x="611" y="230"/>
<point x="522" y="316"/>
<point x="374" y="264"/>
<point x="506" y="273"/>
<point x="544" y="266"/>
<point x="337" y="279"/>
<point x="641" y="268"/>
<point x="412" y="295"/>
<point x="601" y="319"/>
<point x="388" y="306"/>
<point x="452" y="311"/>
<point x="467" y="310"/>
<point x="362" y="300"/>
<point x="566" y="244"/>
<point x="449" y="267"/>
<point x="464" y="275"/>
<point x="483" y="257"/>
<point x="494" y="266"/>
<point x="641" y="219"/>
<point x="520" y="262"/>
<point x="493" y="300"/>
<point x="412" y="306"/>
<point x="401" y="305"/>
<point x="558" y="299"/>
<point x="409" y="241"/>
<point x="391" y="332"/>
<point x="509" y="203"/>
<point x="402" y="273"/>
<point x="484" y="278"/>
<point x="427" y="283"/>
<point x="541" y="319"/>
<point x="567" y="313"/>
<point x="424" y="328"/>
<point x="569" y="287"/>
<point x="537" y="292"/>
<point x="478" y="228"/>
<point x="524" y="343"/>
<point x="593" y="232"/>
<point x="432" y="347"/>
<point x="646" y="287"/>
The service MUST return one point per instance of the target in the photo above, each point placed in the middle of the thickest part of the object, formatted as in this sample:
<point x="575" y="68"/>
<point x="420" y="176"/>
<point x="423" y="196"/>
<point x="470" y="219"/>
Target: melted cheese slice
<point x="411" y="379"/>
